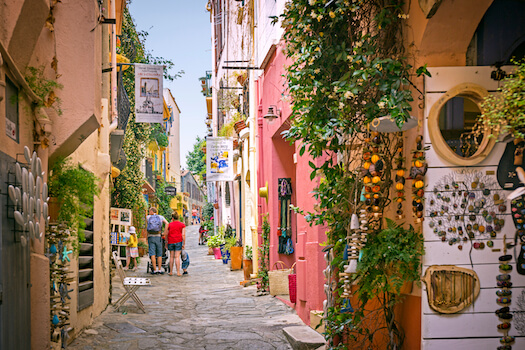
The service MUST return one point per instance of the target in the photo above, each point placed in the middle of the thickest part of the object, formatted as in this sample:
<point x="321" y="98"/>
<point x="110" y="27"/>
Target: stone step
<point x="303" y="338"/>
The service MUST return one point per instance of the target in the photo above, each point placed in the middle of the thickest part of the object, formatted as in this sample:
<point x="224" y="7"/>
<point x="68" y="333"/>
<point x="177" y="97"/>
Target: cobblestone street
<point x="206" y="309"/>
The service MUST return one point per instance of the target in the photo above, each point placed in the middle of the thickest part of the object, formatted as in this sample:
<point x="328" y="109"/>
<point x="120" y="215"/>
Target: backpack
<point x="154" y="223"/>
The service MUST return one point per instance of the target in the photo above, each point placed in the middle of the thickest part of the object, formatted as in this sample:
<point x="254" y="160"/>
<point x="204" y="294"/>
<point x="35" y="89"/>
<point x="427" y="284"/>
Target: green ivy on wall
<point x="127" y="190"/>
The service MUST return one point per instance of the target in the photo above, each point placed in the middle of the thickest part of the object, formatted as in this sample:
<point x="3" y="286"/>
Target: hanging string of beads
<point x="417" y="173"/>
<point x="400" y="178"/>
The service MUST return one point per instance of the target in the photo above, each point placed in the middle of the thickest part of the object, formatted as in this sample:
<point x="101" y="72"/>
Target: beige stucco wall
<point x="93" y="155"/>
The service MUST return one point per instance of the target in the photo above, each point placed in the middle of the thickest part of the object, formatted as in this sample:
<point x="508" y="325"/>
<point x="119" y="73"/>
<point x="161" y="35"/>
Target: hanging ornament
<point x="417" y="174"/>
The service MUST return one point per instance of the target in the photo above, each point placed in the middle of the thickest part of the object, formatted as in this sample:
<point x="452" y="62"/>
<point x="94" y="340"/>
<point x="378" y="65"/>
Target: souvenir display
<point x="285" y="216"/>
<point x="504" y="295"/>
<point x="450" y="288"/>
<point x="58" y="241"/>
<point x="372" y="174"/>
<point x="417" y="174"/>
<point x="466" y="206"/>
<point x="399" y="179"/>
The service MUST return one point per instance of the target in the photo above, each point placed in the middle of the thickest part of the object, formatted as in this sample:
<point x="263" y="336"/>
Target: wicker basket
<point x="278" y="279"/>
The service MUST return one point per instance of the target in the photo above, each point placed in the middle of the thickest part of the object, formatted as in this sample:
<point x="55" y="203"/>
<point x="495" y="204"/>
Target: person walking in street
<point x="154" y="229"/>
<point x="132" y="251"/>
<point x="176" y="239"/>
<point x="185" y="258"/>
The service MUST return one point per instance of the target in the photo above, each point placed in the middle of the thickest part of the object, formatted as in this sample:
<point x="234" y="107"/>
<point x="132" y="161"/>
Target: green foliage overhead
<point x="196" y="158"/>
<point x="163" y="200"/>
<point x="44" y="88"/>
<point x="504" y="112"/>
<point x="158" y="134"/>
<point x="74" y="189"/>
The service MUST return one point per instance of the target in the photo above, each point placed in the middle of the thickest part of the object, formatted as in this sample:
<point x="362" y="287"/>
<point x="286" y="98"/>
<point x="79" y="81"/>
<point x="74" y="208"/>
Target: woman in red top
<point x="176" y="233"/>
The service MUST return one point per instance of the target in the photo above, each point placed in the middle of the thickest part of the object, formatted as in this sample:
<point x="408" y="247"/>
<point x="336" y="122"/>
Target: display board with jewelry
<point x="467" y="206"/>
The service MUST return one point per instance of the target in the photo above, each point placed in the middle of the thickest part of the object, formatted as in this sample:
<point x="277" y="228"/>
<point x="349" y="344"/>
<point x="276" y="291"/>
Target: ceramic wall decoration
<point x="450" y="288"/>
<point x="466" y="206"/>
<point x="29" y="197"/>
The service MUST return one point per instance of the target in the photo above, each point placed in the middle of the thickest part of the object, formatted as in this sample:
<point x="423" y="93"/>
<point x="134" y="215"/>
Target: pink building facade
<point x="278" y="159"/>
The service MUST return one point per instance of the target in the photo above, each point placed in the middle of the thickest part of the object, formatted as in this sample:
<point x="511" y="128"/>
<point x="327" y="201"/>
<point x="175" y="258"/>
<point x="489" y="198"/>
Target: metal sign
<point x="170" y="190"/>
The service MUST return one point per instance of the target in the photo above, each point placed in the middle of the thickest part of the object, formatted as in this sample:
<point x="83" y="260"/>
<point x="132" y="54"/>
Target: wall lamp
<point x="272" y="114"/>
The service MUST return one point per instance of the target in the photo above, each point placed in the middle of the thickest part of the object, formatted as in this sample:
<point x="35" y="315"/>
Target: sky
<point x="179" y="30"/>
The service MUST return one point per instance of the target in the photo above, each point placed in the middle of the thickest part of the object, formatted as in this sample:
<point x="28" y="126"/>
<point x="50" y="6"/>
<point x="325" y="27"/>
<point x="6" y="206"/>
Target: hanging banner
<point x="219" y="159"/>
<point x="148" y="93"/>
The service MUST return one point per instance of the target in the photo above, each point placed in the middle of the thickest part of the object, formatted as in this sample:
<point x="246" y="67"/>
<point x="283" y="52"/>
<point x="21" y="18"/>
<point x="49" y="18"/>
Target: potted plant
<point x="247" y="266"/>
<point x="503" y="113"/>
<point x="215" y="242"/>
<point x="225" y="248"/>
<point x="142" y="247"/>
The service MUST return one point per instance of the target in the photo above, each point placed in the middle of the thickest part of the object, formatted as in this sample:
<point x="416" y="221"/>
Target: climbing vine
<point x="347" y="67"/>
<point x="264" y="256"/>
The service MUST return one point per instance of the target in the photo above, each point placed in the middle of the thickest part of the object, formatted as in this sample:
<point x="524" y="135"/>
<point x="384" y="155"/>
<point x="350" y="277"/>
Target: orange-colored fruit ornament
<point x="376" y="179"/>
<point x="366" y="179"/>
<point x="375" y="158"/>
<point x="418" y="163"/>
<point x="367" y="165"/>
<point x="399" y="186"/>
<point x="400" y="172"/>
<point x="419" y="184"/>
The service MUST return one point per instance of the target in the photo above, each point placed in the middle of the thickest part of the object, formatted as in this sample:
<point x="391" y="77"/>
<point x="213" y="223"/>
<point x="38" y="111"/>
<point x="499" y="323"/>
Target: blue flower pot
<point x="225" y="254"/>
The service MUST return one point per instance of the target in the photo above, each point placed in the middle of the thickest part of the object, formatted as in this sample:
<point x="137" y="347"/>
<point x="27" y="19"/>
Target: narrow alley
<point x="206" y="309"/>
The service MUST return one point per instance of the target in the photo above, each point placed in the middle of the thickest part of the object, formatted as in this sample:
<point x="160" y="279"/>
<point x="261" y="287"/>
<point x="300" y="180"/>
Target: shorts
<point x="175" y="246"/>
<point x="155" y="246"/>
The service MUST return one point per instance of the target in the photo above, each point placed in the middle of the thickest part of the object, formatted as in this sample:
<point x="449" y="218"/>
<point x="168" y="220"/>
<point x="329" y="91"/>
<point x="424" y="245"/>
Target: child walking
<point x="132" y="252"/>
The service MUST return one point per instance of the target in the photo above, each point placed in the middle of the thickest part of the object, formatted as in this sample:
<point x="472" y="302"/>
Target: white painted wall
<point x="476" y="326"/>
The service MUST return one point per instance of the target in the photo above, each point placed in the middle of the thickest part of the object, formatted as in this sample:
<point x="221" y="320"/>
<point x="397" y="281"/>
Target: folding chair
<point x="131" y="284"/>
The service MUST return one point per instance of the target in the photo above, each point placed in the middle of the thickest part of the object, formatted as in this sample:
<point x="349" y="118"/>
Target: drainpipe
<point x="113" y="49"/>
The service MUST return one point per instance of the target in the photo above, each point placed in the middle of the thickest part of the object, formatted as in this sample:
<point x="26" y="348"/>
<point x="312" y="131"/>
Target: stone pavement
<point x="206" y="309"/>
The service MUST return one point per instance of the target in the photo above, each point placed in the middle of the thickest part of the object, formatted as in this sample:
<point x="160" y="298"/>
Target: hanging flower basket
<point x="239" y="126"/>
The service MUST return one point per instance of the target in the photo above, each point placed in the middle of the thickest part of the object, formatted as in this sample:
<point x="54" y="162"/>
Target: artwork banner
<point x="219" y="159"/>
<point x="148" y="93"/>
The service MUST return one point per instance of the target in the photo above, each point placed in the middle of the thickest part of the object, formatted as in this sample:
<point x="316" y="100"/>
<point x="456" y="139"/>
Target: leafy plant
<point x="230" y="242"/>
<point x="248" y="252"/>
<point x="44" y="88"/>
<point x="74" y="189"/>
<point x="158" y="134"/>
<point x="504" y="112"/>
<point x="264" y="255"/>
<point x="196" y="159"/>
<point x="389" y="260"/>
<point x="142" y="244"/>
<point x="215" y="241"/>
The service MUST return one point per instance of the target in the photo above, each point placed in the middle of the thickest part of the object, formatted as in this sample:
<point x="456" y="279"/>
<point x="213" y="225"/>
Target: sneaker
<point x="160" y="272"/>
<point x="185" y="273"/>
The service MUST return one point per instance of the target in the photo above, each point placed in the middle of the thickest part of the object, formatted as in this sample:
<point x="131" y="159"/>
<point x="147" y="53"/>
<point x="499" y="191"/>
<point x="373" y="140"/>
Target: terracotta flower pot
<point x="236" y="258"/>
<point x="216" y="205"/>
<point x="247" y="268"/>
